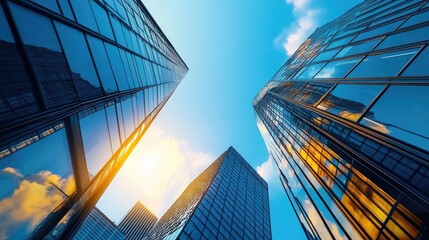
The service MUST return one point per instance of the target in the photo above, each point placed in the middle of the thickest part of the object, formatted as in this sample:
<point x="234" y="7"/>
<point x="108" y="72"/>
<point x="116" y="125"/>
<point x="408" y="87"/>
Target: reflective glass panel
<point x="416" y="19"/>
<point x="102" y="19"/>
<point x="95" y="137"/>
<point x="34" y="180"/>
<point x="117" y="66"/>
<point x="415" y="35"/>
<point x="311" y="70"/>
<point x="82" y="10"/>
<point x="312" y="92"/>
<point x="83" y="69"/>
<point x="65" y="7"/>
<point x="359" y="48"/>
<point x="349" y="101"/>
<point x="325" y="55"/>
<point x="16" y="92"/>
<point x="103" y="65"/>
<point x="113" y="127"/>
<point x="340" y="42"/>
<point x="337" y="69"/>
<point x="117" y="28"/>
<point x="383" y="65"/>
<point x="378" y="30"/>
<point x="419" y="66"/>
<point x="46" y="56"/>
<point x="52" y="5"/>
<point x="127" y="113"/>
<point x="402" y="113"/>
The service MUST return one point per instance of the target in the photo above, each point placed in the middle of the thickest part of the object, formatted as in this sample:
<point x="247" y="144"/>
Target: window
<point x="46" y="56"/>
<point x="52" y="5"/>
<point x="310" y="71"/>
<point x="383" y="65"/>
<point x="34" y="181"/>
<point x="416" y="19"/>
<point x="378" y="30"/>
<point x="415" y="35"/>
<point x="80" y="61"/>
<point x="350" y="101"/>
<point x="312" y="92"/>
<point x="340" y="42"/>
<point x="102" y="19"/>
<point x="16" y="92"/>
<point x="117" y="28"/>
<point x="402" y="113"/>
<point x="117" y="67"/>
<point x="325" y="55"/>
<point x="65" y="7"/>
<point x="103" y="65"/>
<point x="83" y="12"/>
<point x="337" y="69"/>
<point x="418" y="66"/>
<point x="95" y="137"/>
<point x="128" y="116"/>
<point x="359" y="48"/>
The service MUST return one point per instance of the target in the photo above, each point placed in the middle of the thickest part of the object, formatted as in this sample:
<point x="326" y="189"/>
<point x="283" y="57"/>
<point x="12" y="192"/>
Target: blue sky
<point x="232" y="48"/>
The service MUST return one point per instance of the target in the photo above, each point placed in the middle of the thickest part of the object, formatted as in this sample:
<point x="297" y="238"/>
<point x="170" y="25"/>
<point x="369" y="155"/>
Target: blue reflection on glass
<point x="414" y="35"/>
<point x="83" y="13"/>
<point x="359" y="48"/>
<point x="402" y="113"/>
<point x="416" y="19"/>
<point x="311" y="70"/>
<point x="103" y="21"/>
<point x="418" y="66"/>
<point x="117" y="66"/>
<point x="113" y="127"/>
<point x="127" y="113"/>
<point x="337" y="69"/>
<point x="378" y="30"/>
<point x="52" y="5"/>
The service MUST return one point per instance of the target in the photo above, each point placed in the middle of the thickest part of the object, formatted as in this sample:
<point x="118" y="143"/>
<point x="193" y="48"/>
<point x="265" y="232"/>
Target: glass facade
<point x="345" y="121"/>
<point x="229" y="200"/>
<point x="138" y="222"/>
<point x="80" y="82"/>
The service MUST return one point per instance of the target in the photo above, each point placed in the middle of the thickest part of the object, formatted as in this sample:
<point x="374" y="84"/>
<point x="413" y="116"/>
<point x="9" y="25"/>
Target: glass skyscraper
<point x="80" y="82"/>
<point x="138" y="222"/>
<point x="346" y="121"/>
<point x="228" y="200"/>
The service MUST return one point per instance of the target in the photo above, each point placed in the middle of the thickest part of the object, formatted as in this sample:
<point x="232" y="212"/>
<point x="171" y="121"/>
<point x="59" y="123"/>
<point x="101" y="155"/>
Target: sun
<point x="149" y="165"/>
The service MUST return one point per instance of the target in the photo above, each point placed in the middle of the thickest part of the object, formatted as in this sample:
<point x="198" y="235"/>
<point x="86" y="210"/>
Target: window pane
<point x="419" y="65"/>
<point x="378" y="31"/>
<point x="340" y="42"/>
<point x="30" y="179"/>
<point x="103" y="65"/>
<point x="415" y="35"/>
<point x="46" y="56"/>
<point x="312" y="92"/>
<point x="402" y="113"/>
<point x="95" y="137"/>
<point x="80" y="61"/>
<point x="65" y="7"/>
<point x="359" y="48"/>
<point x="102" y="19"/>
<point x="113" y="127"/>
<point x="127" y="113"/>
<point x="383" y="65"/>
<point x="52" y="5"/>
<point x="83" y="13"/>
<point x="337" y="69"/>
<point x="117" y="28"/>
<point x="127" y="68"/>
<point x="328" y="55"/>
<point x="416" y="19"/>
<point x="311" y="70"/>
<point x="349" y="101"/>
<point x="16" y="92"/>
<point x="117" y="66"/>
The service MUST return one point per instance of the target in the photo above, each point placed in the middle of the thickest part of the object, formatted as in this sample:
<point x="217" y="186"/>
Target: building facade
<point x="345" y="120"/>
<point x="137" y="223"/>
<point x="228" y="200"/>
<point x="98" y="226"/>
<point x="80" y="82"/>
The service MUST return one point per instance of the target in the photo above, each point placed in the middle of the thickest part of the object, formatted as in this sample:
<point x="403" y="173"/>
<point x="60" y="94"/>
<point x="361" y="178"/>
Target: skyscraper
<point x="137" y="223"/>
<point x="228" y="200"/>
<point x="98" y="226"/>
<point x="80" y="82"/>
<point x="345" y="120"/>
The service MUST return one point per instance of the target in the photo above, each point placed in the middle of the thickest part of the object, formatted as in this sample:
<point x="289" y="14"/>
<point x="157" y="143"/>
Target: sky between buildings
<point x="232" y="48"/>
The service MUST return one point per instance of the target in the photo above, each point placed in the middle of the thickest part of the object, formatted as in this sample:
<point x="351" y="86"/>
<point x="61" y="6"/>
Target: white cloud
<point x="267" y="170"/>
<point x="299" y="30"/>
<point x="12" y="171"/>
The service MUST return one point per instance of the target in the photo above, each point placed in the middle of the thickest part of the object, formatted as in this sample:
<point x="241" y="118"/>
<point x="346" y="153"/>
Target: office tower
<point x="137" y="222"/>
<point x="345" y="120"/>
<point x="228" y="200"/>
<point x="97" y="226"/>
<point x="80" y="82"/>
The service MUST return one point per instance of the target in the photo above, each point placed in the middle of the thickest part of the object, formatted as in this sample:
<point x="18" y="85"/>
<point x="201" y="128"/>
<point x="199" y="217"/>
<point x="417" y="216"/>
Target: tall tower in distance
<point x="80" y="82"/>
<point x="345" y="119"/>
<point x="228" y="200"/>
<point x="138" y="222"/>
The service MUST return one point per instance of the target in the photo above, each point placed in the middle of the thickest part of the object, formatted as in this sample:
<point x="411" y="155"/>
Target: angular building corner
<point x="228" y="200"/>
<point x="345" y="120"/>
<point x="80" y="82"/>
<point x="138" y="222"/>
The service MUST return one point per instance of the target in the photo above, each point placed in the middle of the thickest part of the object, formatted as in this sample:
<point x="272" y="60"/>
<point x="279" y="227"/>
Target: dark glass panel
<point x="127" y="68"/>
<point x="117" y="28"/>
<point x="402" y="113"/>
<point x="103" y="65"/>
<point x="337" y="69"/>
<point x="113" y="127"/>
<point x="95" y="137"/>
<point x="419" y="66"/>
<point x="83" y="69"/>
<point x="52" y="5"/>
<point x="327" y="55"/>
<point x="127" y="113"/>
<point x="383" y="65"/>
<point x="142" y="71"/>
<point x="359" y="48"/>
<point x="312" y="92"/>
<point x="117" y="66"/>
<point x="16" y="92"/>
<point x="120" y="119"/>
<point x="378" y="31"/>
<point x="416" y="19"/>
<point x="46" y="56"/>
<point x="83" y="12"/>
<point x="140" y="106"/>
<point x="340" y="42"/>
<point x="34" y="181"/>
<point x="65" y="7"/>
<point x="311" y="70"/>
<point x="349" y="101"/>
<point x="415" y="35"/>
<point x="102" y="19"/>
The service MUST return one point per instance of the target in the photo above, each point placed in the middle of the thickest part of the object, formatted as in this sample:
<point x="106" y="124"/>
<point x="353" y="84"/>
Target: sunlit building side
<point x="345" y="119"/>
<point x="80" y="82"/>
<point x="228" y="200"/>
<point x="138" y="222"/>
